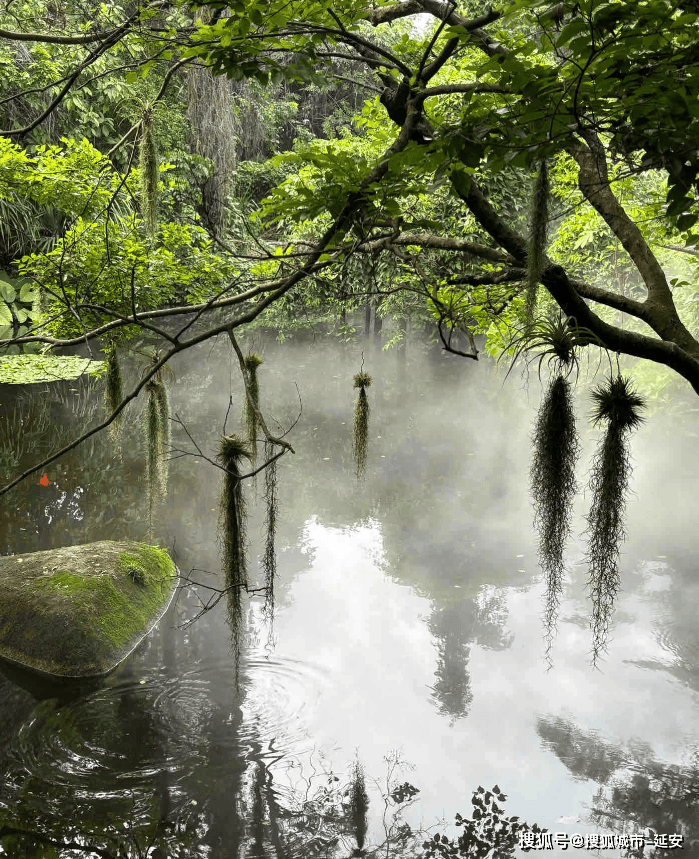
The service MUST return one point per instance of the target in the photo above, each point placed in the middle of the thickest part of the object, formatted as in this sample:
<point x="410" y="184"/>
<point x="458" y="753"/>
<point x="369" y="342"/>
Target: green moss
<point x="118" y="608"/>
<point x="152" y="563"/>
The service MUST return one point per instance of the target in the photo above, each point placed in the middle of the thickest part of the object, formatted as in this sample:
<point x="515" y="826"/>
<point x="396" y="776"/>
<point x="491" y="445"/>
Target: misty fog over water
<point x="407" y="618"/>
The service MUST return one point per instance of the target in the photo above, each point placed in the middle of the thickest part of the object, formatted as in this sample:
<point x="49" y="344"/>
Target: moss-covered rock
<point x="80" y="610"/>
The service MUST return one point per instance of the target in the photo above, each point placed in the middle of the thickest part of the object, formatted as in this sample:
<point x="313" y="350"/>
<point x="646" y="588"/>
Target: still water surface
<point x="407" y="626"/>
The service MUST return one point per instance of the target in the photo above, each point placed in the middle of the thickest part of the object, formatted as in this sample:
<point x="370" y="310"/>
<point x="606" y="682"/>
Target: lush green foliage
<point x="404" y="161"/>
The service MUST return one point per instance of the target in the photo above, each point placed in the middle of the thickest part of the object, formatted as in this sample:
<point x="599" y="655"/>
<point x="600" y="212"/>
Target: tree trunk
<point x="367" y="319"/>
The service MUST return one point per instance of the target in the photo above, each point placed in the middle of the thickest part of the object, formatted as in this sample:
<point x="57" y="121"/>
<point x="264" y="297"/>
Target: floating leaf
<point x="30" y="369"/>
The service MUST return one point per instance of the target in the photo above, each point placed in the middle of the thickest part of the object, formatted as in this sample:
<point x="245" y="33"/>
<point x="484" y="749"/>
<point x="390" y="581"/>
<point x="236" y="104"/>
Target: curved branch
<point x="251" y="403"/>
<point x="593" y="181"/>
<point x="57" y="40"/>
<point x="443" y="243"/>
<point x="658" y="310"/>
<point x="488" y="218"/>
<point x="664" y="352"/>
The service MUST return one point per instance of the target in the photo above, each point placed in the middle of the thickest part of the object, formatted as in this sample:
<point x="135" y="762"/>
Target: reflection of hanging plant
<point x="361" y="422"/>
<point x="232" y="451"/>
<point x="553" y="486"/>
<point x="619" y="405"/>
<point x="537" y="239"/>
<point x="148" y="172"/>
<point x="358" y="805"/>
<point x="114" y="394"/>
<point x="269" y="559"/>
<point x="232" y="519"/>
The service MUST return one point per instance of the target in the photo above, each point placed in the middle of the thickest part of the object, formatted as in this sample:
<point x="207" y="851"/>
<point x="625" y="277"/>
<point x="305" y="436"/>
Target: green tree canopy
<point x="429" y="183"/>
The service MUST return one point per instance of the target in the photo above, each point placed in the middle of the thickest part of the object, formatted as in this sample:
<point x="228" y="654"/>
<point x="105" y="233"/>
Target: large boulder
<point x="80" y="610"/>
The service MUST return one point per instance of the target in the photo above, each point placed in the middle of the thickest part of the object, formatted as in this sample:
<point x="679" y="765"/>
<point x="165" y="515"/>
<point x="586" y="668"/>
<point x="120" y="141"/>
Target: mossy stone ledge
<point x="78" y="611"/>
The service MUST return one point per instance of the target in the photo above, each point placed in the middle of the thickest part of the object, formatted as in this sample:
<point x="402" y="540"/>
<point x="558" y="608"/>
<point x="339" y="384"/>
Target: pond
<point x="406" y="633"/>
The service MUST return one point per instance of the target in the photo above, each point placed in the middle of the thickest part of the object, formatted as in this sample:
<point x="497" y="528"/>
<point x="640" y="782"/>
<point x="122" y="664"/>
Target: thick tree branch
<point x="57" y="40"/>
<point x="479" y="37"/>
<point x="610" y="299"/>
<point x="444" y="243"/>
<point x="658" y="310"/>
<point x="670" y="354"/>
<point x="555" y="279"/>
<point x="386" y="14"/>
<point x="488" y="218"/>
<point x="593" y="181"/>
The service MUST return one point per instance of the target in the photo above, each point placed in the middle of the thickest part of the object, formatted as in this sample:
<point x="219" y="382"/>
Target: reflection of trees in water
<point x="456" y="627"/>
<point x="92" y="495"/>
<point x="636" y="790"/>
<point x="675" y="616"/>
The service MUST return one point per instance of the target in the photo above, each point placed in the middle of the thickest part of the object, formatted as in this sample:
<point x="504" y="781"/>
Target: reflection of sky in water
<point x="348" y="615"/>
<point x="409" y="606"/>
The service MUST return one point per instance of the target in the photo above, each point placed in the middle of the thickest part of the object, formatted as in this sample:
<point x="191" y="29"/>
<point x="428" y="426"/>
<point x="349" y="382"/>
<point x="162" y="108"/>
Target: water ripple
<point x="280" y="699"/>
<point x="114" y="741"/>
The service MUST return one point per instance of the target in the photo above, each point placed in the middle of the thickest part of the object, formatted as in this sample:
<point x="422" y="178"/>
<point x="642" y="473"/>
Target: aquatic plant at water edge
<point x="489" y="834"/>
<point x="553" y="487"/>
<point x="361" y="423"/>
<point x="619" y="405"/>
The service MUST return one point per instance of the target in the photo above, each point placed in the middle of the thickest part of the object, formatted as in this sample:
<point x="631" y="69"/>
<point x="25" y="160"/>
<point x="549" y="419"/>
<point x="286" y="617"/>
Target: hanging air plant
<point x="252" y="402"/>
<point x="153" y="451"/>
<point x="163" y="403"/>
<point x="619" y="405"/>
<point x="553" y="486"/>
<point x="232" y="517"/>
<point x="148" y="173"/>
<point x="537" y="239"/>
<point x="114" y="394"/>
<point x="269" y="559"/>
<point x="361" y="422"/>
<point x="358" y="805"/>
<point x="554" y="339"/>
